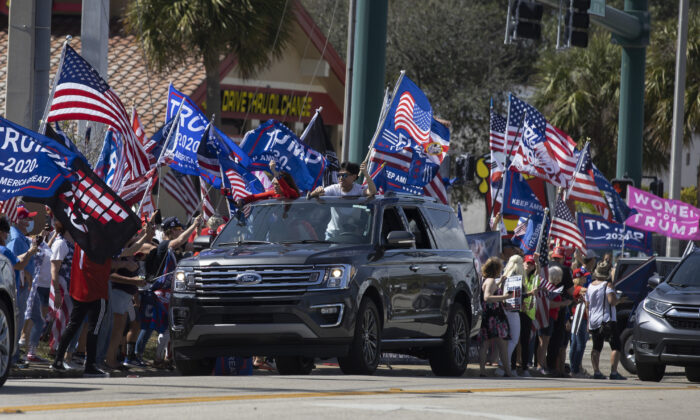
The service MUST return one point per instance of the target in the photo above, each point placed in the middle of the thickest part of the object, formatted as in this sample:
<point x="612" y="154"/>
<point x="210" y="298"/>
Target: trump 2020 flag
<point x="32" y="165"/>
<point x="273" y="140"/>
<point x="110" y="162"/>
<point x="181" y="152"/>
<point x="518" y="197"/>
<point x="411" y="142"/>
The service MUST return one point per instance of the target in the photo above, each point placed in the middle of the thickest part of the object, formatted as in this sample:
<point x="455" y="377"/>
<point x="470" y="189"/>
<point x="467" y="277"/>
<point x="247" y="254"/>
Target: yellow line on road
<point x="391" y="391"/>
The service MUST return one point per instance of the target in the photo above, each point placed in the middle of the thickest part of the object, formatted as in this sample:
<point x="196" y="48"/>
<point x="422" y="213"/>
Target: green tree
<point x="173" y="31"/>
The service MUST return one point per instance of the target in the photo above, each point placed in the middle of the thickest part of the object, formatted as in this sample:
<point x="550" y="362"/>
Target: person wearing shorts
<point x="602" y="320"/>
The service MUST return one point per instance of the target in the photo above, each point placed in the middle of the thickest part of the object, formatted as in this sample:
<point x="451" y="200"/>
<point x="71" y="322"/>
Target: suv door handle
<point x="414" y="268"/>
<point x="443" y="267"/>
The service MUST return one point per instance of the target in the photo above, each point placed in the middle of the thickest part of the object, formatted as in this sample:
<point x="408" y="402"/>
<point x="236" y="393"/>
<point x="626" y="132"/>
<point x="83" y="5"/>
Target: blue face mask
<point x="30" y="226"/>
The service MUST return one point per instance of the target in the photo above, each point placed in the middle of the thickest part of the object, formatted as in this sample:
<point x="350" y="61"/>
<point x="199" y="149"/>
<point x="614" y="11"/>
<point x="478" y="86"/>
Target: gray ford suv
<point x="667" y="327"/>
<point x="330" y="277"/>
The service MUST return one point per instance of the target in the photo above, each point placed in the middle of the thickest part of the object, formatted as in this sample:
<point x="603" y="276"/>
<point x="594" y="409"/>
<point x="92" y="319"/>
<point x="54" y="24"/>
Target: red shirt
<point x="89" y="281"/>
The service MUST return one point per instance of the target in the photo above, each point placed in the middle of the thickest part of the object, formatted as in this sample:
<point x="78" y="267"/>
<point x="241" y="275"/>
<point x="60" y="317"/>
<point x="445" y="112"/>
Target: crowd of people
<point x="578" y="301"/>
<point x="111" y="308"/>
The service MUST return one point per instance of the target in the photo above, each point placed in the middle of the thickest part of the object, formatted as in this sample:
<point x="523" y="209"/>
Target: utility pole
<point x="369" y="60"/>
<point x="42" y="61"/>
<point x="345" y="146"/>
<point x="20" y="63"/>
<point x="94" y="37"/>
<point x="672" y="248"/>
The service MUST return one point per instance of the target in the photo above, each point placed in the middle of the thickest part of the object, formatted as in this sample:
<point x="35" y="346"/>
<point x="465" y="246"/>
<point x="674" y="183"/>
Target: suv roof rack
<point x="397" y="194"/>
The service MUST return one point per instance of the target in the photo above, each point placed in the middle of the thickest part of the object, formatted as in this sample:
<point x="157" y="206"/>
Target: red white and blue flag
<point x="183" y="190"/>
<point x="564" y="229"/>
<point x="584" y="187"/>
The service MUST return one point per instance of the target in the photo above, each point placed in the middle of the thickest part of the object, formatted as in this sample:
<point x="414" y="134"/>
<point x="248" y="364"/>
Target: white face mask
<point x="30" y="226"/>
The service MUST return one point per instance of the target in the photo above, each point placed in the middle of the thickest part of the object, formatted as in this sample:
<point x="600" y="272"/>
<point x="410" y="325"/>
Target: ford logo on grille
<point x="248" y="278"/>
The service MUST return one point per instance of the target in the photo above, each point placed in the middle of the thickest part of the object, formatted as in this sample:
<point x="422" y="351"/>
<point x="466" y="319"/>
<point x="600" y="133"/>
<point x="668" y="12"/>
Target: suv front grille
<point x="683" y="349"/>
<point x="684" y="323"/>
<point x="276" y="280"/>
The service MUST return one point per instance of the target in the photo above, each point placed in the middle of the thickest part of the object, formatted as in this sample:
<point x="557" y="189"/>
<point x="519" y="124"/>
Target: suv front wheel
<point x="650" y="371"/>
<point x="450" y="359"/>
<point x="692" y="373"/>
<point x="365" y="349"/>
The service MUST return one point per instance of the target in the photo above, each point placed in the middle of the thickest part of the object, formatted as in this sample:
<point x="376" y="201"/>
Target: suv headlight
<point x="184" y="279"/>
<point x="337" y="277"/>
<point x="656" y="307"/>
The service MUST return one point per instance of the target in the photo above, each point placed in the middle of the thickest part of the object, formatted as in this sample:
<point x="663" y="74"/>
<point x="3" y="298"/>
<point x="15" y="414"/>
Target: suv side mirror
<point x="201" y="242"/>
<point x="400" y="239"/>
<point x="655" y="280"/>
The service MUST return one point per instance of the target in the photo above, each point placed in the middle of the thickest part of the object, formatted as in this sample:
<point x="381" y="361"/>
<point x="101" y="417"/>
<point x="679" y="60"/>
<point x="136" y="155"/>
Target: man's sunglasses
<point x="344" y="175"/>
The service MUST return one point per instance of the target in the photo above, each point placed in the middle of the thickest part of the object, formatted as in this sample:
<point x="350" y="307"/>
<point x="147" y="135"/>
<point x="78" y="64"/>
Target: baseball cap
<point x="590" y="254"/>
<point x="577" y="273"/>
<point x="529" y="259"/>
<point x="23" y="213"/>
<point x="170" y="223"/>
<point x="558" y="252"/>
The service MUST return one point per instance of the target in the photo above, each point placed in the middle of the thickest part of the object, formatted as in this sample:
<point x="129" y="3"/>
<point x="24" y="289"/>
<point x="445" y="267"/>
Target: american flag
<point x="237" y="185"/>
<point x="81" y="94"/>
<point x="559" y="145"/>
<point x="564" y="227"/>
<point x="9" y="209"/>
<point x="436" y="189"/>
<point x="413" y="119"/>
<point x="521" y="228"/>
<point x="61" y="314"/>
<point x="207" y="209"/>
<point x="497" y="134"/>
<point x="584" y="187"/>
<point x="183" y="191"/>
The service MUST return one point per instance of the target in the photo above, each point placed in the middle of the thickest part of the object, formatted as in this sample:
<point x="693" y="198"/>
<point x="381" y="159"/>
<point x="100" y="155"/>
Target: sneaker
<point x="21" y="342"/>
<point x="78" y="358"/>
<point x="36" y="359"/>
<point x="599" y="375"/>
<point x="93" y="371"/>
<point x="617" y="376"/>
<point x="60" y="366"/>
<point x="542" y="372"/>
<point x="134" y="363"/>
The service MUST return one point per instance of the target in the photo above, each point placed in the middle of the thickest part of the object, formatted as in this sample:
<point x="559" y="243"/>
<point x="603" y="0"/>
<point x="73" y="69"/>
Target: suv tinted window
<point x="687" y="273"/>
<point x="416" y="225"/>
<point x="391" y="221"/>
<point x="448" y="233"/>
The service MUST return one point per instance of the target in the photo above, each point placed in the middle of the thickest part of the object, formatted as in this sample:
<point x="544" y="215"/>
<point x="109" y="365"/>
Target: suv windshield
<point x="686" y="273"/>
<point x="300" y="222"/>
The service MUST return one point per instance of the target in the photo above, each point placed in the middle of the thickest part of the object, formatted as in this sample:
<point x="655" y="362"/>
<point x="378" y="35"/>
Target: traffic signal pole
<point x="630" y="29"/>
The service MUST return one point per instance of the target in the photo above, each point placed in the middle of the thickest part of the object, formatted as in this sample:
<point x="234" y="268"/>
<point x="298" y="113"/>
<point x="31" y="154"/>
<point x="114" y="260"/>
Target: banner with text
<point x="602" y="234"/>
<point x="671" y="218"/>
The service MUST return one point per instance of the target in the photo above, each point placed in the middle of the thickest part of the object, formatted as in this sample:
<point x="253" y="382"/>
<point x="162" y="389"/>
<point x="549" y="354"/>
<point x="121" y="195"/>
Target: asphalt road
<point x="405" y="392"/>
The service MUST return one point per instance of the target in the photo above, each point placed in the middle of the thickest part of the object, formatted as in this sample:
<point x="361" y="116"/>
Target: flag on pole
<point x="82" y="94"/>
<point x="584" y="187"/>
<point x="619" y="209"/>
<point x="183" y="190"/>
<point x="9" y="209"/>
<point x="316" y="137"/>
<point x="499" y="149"/>
<point x="207" y="208"/>
<point x="565" y="229"/>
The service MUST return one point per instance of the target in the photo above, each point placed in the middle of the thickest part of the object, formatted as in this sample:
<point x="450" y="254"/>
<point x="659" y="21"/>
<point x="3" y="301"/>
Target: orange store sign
<point x="281" y="105"/>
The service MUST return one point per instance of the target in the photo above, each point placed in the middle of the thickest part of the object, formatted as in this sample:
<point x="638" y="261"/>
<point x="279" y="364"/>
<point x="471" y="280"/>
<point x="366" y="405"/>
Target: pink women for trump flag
<point x="671" y="218"/>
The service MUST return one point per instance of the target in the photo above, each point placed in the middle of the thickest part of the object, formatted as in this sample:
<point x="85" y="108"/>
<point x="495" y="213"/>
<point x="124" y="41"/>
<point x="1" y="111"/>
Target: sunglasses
<point x="344" y="175"/>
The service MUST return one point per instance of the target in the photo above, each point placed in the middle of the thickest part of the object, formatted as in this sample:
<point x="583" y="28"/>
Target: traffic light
<point x="657" y="187"/>
<point x="528" y="15"/>
<point x="577" y="22"/>
<point x="620" y="185"/>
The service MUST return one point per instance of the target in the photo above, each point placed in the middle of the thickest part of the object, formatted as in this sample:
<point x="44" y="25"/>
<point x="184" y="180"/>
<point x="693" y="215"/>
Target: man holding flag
<point x="346" y="186"/>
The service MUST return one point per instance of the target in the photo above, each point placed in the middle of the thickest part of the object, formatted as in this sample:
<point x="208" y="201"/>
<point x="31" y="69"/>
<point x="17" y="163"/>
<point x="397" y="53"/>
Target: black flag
<point x="97" y="219"/>
<point x="317" y="139"/>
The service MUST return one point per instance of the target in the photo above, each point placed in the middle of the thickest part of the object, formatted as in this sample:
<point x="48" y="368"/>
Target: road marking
<point x="391" y="391"/>
<point x="384" y="408"/>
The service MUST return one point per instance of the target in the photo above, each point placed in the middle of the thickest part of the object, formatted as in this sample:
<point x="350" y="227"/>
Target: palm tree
<point x="172" y="31"/>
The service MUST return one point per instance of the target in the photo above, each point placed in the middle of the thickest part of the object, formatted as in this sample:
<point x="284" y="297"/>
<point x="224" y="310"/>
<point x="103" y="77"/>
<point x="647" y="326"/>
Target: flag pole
<point x="544" y="220"/>
<point x="507" y="166"/>
<point x="382" y="116"/>
<point x="176" y="122"/>
<point x="308" y="127"/>
<point x="576" y="171"/>
<point x="47" y="108"/>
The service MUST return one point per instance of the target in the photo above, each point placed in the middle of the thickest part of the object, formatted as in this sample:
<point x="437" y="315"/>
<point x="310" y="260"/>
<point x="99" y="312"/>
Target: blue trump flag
<point x="620" y="210"/>
<point x="518" y="197"/>
<point x="410" y="142"/>
<point x="110" y="161"/>
<point x="33" y="165"/>
<point x="216" y="159"/>
<point x="528" y="241"/>
<point x="603" y="234"/>
<point x="182" y="150"/>
<point x="273" y="140"/>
